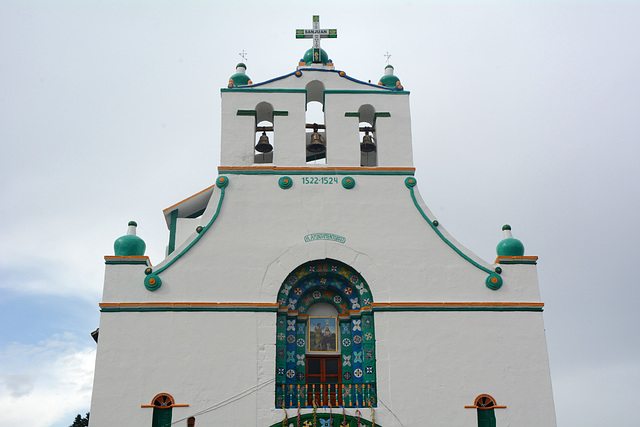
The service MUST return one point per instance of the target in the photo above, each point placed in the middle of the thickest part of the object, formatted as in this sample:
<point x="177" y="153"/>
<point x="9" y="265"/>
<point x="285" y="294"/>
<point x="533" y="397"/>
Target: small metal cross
<point x="387" y="55"/>
<point x="243" y="54"/>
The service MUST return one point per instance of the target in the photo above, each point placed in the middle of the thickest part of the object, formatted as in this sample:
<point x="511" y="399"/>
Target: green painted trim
<point x="531" y="262"/>
<point x="140" y="262"/>
<point x="254" y="113"/>
<point x="316" y="172"/>
<point x="375" y="115"/>
<point x="172" y="231"/>
<point x="222" y="183"/>
<point x="383" y="91"/>
<point x="532" y="309"/>
<point x="169" y="309"/>
<point x="275" y="309"/>
<point x="246" y="89"/>
<point x="434" y="228"/>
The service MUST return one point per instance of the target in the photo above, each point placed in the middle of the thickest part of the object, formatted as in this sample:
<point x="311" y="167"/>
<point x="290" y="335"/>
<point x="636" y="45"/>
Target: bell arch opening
<point x="367" y="132"/>
<point x="315" y="141"/>
<point x="264" y="133"/>
<point x="325" y="338"/>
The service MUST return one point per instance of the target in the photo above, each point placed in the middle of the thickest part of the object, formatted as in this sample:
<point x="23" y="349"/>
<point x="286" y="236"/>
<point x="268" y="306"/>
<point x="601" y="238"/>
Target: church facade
<point x="312" y="286"/>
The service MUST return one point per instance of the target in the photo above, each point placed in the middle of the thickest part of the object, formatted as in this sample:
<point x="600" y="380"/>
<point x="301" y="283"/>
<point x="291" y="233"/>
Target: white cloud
<point x="595" y="396"/>
<point x="45" y="383"/>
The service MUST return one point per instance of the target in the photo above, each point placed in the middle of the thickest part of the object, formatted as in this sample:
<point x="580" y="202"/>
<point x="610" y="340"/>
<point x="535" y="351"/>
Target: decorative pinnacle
<point x="387" y="55"/>
<point x="243" y="55"/>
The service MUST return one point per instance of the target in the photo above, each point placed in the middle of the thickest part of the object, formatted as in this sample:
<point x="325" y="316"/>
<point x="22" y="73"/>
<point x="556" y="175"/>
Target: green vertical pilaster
<point x="369" y="357"/>
<point x="172" y="231"/>
<point x="300" y="356"/>
<point x="347" y="361"/>
<point x="281" y="346"/>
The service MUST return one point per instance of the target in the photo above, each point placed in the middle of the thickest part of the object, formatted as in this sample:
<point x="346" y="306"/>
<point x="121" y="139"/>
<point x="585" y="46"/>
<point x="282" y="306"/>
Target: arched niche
<point x="366" y="128"/>
<point x="264" y="128"/>
<point x="315" y="121"/>
<point x="325" y="295"/>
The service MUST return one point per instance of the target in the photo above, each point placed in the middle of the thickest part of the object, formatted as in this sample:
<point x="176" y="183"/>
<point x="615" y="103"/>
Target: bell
<point x="316" y="144"/>
<point x="263" y="145"/>
<point x="367" y="145"/>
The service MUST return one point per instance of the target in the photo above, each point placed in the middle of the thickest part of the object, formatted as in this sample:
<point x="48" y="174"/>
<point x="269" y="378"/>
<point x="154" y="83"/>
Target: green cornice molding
<point x="359" y="92"/>
<point x="152" y="280"/>
<point x="252" y="90"/>
<point x="273" y="308"/>
<point x="493" y="281"/>
<point x="144" y="309"/>
<point x="315" y="171"/>
<point x="120" y="260"/>
<point x="461" y="308"/>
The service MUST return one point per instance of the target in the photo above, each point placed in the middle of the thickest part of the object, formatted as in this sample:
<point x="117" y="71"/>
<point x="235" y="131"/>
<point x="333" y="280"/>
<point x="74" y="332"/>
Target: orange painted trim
<point x="339" y="168"/>
<point x="188" y="198"/>
<point x="491" y="407"/>
<point x="163" y="407"/>
<point x="524" y="258"/>
<point x="276" y="305"/>
<point x="188" y="304"/>
<point x="130" y="257"/>
<point x="493" y="401"/>
<point x="458" y="304"/>
<point x="171" y="399"/>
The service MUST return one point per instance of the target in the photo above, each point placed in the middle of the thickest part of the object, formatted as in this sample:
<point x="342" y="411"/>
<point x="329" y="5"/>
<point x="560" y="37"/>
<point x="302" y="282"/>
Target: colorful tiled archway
<point x="335" y="283"/>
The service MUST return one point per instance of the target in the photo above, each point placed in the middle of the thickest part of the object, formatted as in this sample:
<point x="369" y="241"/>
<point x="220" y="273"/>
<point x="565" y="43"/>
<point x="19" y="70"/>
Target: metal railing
<point x="328" y="394"/>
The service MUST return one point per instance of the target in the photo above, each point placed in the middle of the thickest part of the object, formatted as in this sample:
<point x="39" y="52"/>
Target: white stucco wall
<point x="430" y="365"/>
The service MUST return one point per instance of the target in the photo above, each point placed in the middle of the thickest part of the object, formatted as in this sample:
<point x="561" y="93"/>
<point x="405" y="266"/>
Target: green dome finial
<point x="389" y="80"/>
<point x="129" y="244"/>
<point x="308" y="57"/>
<point x="509" y="246"/>
<point x="240" y="78"/>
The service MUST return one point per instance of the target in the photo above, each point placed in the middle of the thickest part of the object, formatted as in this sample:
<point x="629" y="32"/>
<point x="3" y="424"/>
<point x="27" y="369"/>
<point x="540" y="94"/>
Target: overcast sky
<point x="523" y="112"/>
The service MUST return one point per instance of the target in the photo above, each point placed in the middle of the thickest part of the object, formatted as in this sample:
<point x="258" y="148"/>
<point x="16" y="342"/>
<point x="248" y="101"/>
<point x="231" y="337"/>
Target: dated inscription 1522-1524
<point x="319" y="180"/>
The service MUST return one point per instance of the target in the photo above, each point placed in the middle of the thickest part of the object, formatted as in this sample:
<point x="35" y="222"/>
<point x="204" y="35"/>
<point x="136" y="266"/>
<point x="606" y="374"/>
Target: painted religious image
<point x="322" y="334"/>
